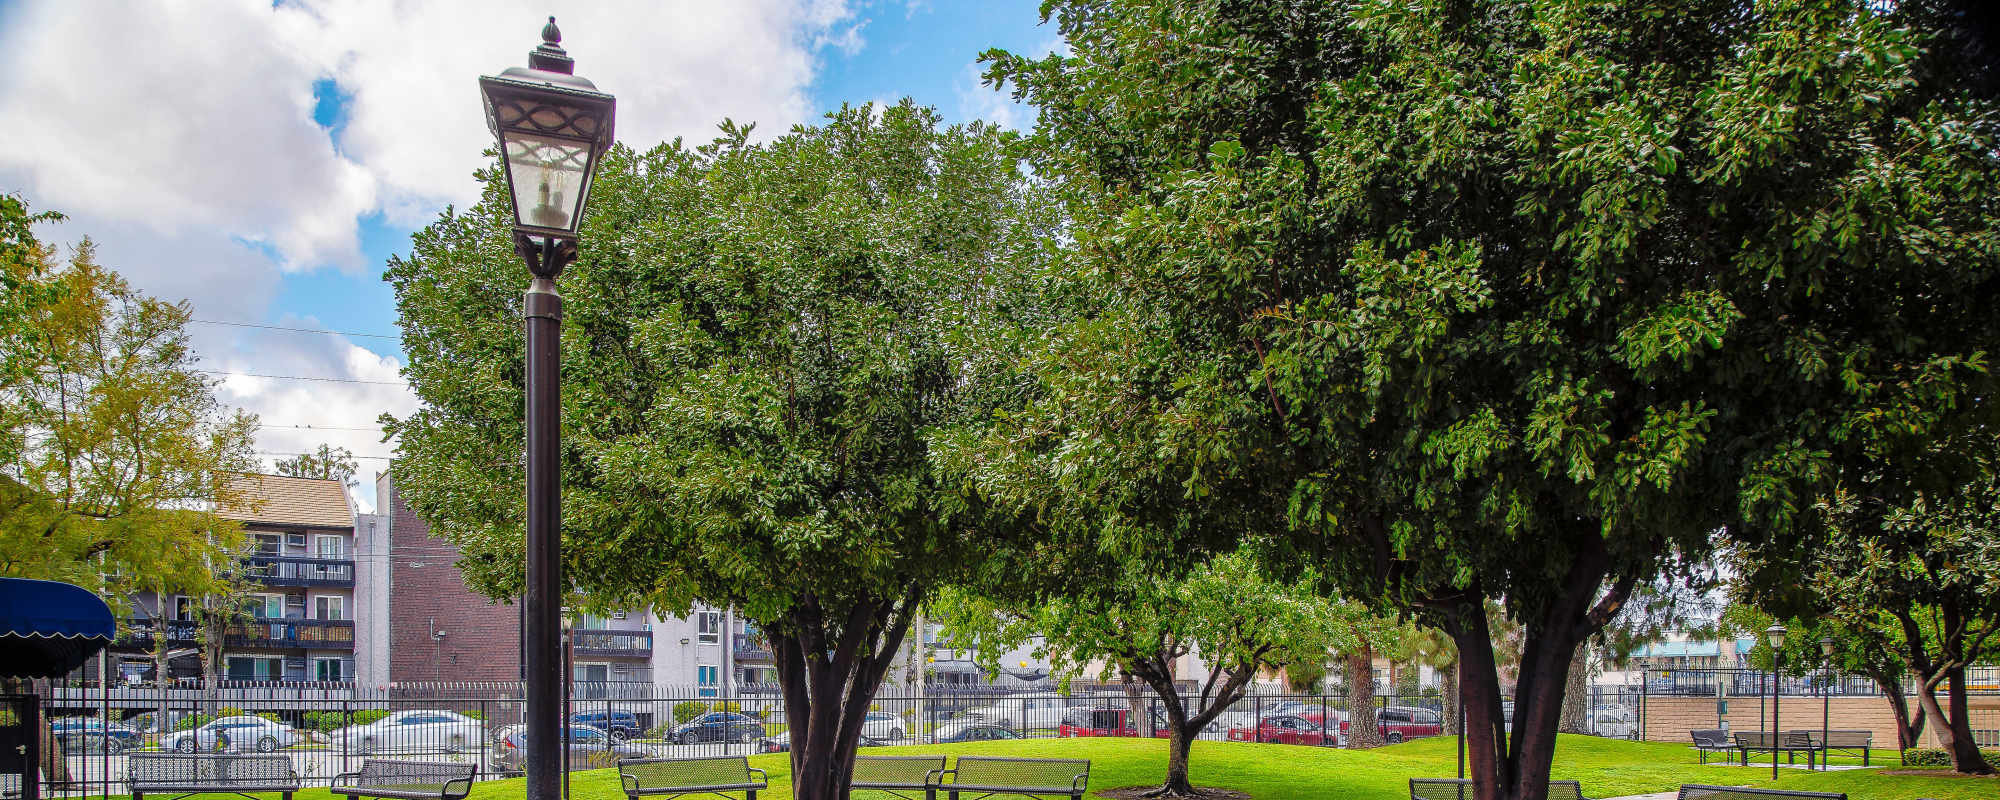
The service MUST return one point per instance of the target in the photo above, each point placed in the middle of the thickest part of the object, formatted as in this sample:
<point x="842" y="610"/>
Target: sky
<point x="263" y="160"/>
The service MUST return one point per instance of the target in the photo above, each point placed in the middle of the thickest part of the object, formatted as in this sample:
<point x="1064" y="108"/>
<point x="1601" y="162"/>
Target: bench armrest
<point x="447" y="792"/>
<point x="936" y="777"/>
<point x="630" y="781"/>
<point x="761" y="776"/>
<point x="1077" y="783"/>
<point x="344" y="779"/>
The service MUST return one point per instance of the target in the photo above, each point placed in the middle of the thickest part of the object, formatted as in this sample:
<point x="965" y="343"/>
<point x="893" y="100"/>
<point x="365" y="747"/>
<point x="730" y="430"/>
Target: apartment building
<point x="299" y="537"/>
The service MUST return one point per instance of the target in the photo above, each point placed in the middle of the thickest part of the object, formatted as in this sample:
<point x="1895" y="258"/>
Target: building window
<point x="707" y="677"/>
<point x="708" y="627"/>
<point x="332" y="670"/>
<point x="328" y="606"/>
<point x="269" y="544"/>
<point x="184" y="608"/>
<point x="266" y="606"/>
<point x="330" y="546"/>
<point x="256" y="668"/>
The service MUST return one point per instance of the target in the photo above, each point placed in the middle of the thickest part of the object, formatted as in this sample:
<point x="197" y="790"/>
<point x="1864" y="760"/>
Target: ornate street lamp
<point x="551" y="127"/>
<point x="1776" y="636"/>
<point x="1825" y="697"/>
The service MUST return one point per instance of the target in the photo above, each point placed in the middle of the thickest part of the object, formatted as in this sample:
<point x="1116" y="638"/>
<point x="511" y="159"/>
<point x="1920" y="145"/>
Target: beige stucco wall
<point x="1668" y="719"/>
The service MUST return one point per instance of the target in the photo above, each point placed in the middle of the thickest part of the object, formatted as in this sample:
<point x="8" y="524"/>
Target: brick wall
<point x="482" y="638"/>
<point x="1668" y="719"/>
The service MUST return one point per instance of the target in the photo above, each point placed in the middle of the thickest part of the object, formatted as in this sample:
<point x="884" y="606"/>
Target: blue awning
<point x="49" y="628"/>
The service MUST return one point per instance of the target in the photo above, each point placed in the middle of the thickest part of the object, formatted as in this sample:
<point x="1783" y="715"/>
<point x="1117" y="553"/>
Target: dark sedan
<point x="971" y="732"/>
<point x="718" y="726"/>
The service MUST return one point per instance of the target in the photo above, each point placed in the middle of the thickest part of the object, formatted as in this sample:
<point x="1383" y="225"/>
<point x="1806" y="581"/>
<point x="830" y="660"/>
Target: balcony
<point x="318" y="634"/>
<point x="301" y="571"/>
<point x="139" y="633"/>
<point x="750" y="651"/>
<point x="628" y="644"/>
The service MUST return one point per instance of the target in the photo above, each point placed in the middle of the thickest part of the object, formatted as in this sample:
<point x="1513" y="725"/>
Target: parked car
<point x="882" y="725"/>
<point x="232" y="734"/>
<point x="1282" y="729"/>
<point x="423" y="730"/>
<point x="1107" y="722"/>
<point x="589" y="748"/>
<point x="1399" y="723"/>
<point x="1026" y="713"/>
<point x="1615" y="721"/>
<point x="952" y="732"/>
<point x="718" y="726"/>
<point x="620" y="724"/>
<point x="782" y="742"/>
<point x="91" y="735"/>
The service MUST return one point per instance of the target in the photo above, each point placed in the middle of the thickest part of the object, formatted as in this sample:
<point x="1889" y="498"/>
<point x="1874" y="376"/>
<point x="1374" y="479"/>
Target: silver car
<point x="237" y="734"/>
<point x="423" y="730"/>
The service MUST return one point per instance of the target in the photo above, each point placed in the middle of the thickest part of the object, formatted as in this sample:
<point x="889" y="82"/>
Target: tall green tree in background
<point x="114" y="450"/>
<point x="1524" y="299"/>
<point x="760" y="343"/>
<point x="327" y="463"/>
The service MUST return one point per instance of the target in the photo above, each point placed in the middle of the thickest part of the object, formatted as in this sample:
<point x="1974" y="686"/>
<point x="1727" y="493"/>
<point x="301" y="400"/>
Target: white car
<point x="1041" y="712"/>
<point x="415" y="731"/>
<point x="239" y="734"/>
<point x="882" y="725"/>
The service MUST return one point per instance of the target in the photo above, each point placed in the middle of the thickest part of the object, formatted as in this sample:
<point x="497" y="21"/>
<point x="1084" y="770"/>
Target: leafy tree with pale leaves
<point x="760" y="343"/>
<point x="328" y="463"/>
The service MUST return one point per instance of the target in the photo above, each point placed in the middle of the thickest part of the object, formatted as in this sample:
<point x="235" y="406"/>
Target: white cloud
<point x="979" y="101"/>
<point x="180" y="136"/>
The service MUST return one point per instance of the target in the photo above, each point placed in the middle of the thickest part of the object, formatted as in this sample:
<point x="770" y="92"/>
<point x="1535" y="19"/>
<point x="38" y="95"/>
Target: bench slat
<point x="1695" y="791"/>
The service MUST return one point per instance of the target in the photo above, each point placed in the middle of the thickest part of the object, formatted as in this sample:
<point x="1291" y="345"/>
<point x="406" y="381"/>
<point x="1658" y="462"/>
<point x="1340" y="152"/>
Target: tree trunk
<point x="1576" y="694"/>
<point x="1361" y="730"/>
<point x="828" y="671"/>
<point x="1183" y="728"/>
<point x="1909" y="729"/>
<point x="1448" y="677"/>
<point x="1135" y="705"/>
<point x="1965" y="755"/>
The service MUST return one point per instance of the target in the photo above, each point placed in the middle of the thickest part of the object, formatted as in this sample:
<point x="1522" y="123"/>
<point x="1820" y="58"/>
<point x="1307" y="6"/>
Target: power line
<point x="303" y="378"/>
<point x="295" y="330"/>
<point x="350" y="455"/>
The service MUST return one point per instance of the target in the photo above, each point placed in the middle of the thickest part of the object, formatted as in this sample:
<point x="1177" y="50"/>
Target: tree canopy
<point x="1522" y="300"/>
<point x="114" y="451"/>
<point x="327" y="463"/>
<point x="760" y="343"/>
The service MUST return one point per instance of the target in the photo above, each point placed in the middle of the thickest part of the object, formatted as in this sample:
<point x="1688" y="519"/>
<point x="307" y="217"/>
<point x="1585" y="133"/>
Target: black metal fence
<point x="327" y="729"/>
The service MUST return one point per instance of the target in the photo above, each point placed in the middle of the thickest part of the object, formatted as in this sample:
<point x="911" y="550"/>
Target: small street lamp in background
<point x="551" y="127"/>
<point x="1825" y="697"/>
<point x="1776" y="636"/>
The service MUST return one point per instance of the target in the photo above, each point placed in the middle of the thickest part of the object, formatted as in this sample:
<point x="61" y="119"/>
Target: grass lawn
<point x="1607" y="768"/>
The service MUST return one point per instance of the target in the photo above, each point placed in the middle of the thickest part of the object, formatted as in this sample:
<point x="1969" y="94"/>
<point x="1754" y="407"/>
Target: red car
<point x="1282" y="729"/>
<point x="1398" y="723"/>
<point x="1106" y="722"/>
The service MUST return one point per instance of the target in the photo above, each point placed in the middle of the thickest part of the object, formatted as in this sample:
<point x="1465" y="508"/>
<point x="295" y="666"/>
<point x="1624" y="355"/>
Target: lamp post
<point x="551" y="126"/>
<point x="1645" y="690"/>
<point x="1776" y="636"/>
<point x="1825" y="697"/>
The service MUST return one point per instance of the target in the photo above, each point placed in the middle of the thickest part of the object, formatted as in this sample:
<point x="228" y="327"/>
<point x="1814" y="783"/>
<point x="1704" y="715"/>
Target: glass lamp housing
<point x="551" y="128"/>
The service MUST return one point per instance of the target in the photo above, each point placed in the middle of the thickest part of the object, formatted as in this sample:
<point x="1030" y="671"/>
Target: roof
<point x="279" y="500"/>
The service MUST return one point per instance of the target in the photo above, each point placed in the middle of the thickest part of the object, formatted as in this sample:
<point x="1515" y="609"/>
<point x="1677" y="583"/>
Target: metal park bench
<point x="1848" y="743"/>
<point x="1789" y="742"/>
<point x="895" y="774"/>
<point x="406" y="780"/>
<point x="673" y="777"/>
<point x="174" y="773"/>
<point x="1712" y="740"/>
<point x="1698" y="792"/>
<point x="1029" y="777"/>
<point x="1460" y="789"/>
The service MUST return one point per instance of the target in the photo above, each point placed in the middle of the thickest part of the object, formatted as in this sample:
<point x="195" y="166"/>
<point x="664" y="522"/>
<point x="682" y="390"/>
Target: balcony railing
<point x="749" y="651"/>
<point x="139" y="633"/>
<point x="636" y="644"/>
<point x="319" y="634"/>
<point x="301" y="571"/>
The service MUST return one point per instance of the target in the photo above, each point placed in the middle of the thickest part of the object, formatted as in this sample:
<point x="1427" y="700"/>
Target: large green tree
<point x="114" y="450"/>
<point x="759" y="344"/>
<point x="327" y="463"/>
<point x="1525" y="298"/>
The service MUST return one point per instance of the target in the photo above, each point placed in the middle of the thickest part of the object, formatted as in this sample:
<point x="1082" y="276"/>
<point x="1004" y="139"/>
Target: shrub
<point x="192" y="721"/>
<point x="689" y="709"/>
<point x="229" y="711"/>
<point x="272" y="716"/>
<point x="1932" y="757"/>
<point x="324" y="721"/>
<point x="368" y="715"/>
<point x="474" y="714"/>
